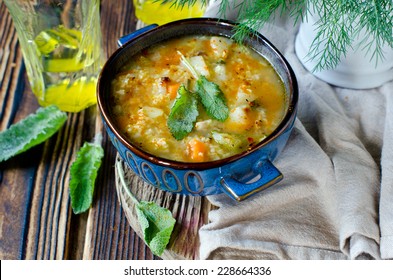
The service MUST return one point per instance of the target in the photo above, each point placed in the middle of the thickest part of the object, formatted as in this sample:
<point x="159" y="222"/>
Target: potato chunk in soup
<point x="144" y="92"/>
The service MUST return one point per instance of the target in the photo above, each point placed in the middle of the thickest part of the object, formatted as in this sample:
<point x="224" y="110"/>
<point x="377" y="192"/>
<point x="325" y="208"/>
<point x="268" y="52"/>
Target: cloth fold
<point x="335" y="199"/>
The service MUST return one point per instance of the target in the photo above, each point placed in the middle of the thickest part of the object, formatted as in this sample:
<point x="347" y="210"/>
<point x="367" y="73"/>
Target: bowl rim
<point x="285" y="122"/>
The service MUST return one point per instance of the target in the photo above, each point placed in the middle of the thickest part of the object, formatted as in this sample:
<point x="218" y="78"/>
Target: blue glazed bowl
<point x="240" y="175"/>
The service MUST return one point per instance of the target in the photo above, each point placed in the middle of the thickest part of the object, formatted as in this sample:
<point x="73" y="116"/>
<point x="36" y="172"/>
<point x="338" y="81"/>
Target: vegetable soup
<point x="197" y="98"/>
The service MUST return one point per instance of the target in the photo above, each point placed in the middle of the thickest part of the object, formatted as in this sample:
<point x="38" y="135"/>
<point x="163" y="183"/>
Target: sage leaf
<point x="183" y="115"/>
<point x="212" y="98"/>
<point x="156" y="222"/>
<point x="157" y="225"/>
<point x="83" y="175"/>
<point x="31" y="131"/>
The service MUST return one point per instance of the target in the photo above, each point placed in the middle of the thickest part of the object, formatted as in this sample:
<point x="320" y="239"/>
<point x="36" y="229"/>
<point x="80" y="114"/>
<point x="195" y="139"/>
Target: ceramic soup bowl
<point x="240" y="175"/>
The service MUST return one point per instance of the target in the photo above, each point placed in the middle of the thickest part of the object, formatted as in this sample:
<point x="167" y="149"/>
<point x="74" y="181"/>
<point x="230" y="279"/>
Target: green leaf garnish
<point x="156" y="222"/>
<point x="83" y="175"/>
<point x="211" y="96"/>
<point x="184" y="113"/>
<point x="31" y="131"/>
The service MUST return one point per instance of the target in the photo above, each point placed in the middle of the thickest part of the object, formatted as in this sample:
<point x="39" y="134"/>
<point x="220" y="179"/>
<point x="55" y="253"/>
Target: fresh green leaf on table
<point x="184" y="113"/>
<point x="31" y="131"/>
<point x="156" y="222"/>
<point x="83" y="175"/>
<point x="157" y="225"/>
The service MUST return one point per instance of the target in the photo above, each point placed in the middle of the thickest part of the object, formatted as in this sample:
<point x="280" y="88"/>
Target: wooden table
<point x="36" y="221"/>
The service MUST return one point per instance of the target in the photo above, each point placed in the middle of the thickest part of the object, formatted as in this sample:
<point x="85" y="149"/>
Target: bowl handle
<point x="268" y="173"/>
<point x="126" y="38"/>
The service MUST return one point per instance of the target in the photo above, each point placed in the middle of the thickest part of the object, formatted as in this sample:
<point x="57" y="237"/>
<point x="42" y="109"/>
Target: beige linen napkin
<point x="335" y="201"/>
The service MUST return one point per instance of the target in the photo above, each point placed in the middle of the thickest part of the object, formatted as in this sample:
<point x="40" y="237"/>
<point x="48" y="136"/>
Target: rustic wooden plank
<point x="11" y="70"/>
<point x="50" y="207"/>
<point x="108" y="234"/>
<point x="15" y="175"/>
<point x="18" y="175"/>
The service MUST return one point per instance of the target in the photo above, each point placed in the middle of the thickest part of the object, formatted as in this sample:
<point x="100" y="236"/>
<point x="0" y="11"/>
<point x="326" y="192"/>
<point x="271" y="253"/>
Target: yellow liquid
<point x="62" y="49"/>
<point x="151" y="12"/>
<point x="79" y="95"/>
<point x="70" y="82"/>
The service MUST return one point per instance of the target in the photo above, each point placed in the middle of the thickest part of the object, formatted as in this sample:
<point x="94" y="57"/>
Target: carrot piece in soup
<point x="172" y="89"/>
<point x="196" y="150"/>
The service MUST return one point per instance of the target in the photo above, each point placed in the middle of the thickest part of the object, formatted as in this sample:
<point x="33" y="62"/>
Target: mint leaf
<point x="157" y="225"/>
<point x="183" y="115"/>
<point x="83" y="175"/>
<point x="212" y="98"/>
<point x="156" y="222"/>
<point x="31" y="131"/>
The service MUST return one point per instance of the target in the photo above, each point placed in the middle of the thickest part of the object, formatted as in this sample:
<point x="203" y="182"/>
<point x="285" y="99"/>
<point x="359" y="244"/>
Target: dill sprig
<point x="341" y="23"/>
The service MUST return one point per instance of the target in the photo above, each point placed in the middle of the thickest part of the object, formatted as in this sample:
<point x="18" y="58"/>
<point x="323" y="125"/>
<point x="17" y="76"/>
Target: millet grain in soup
<point x="144" y="92"/>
